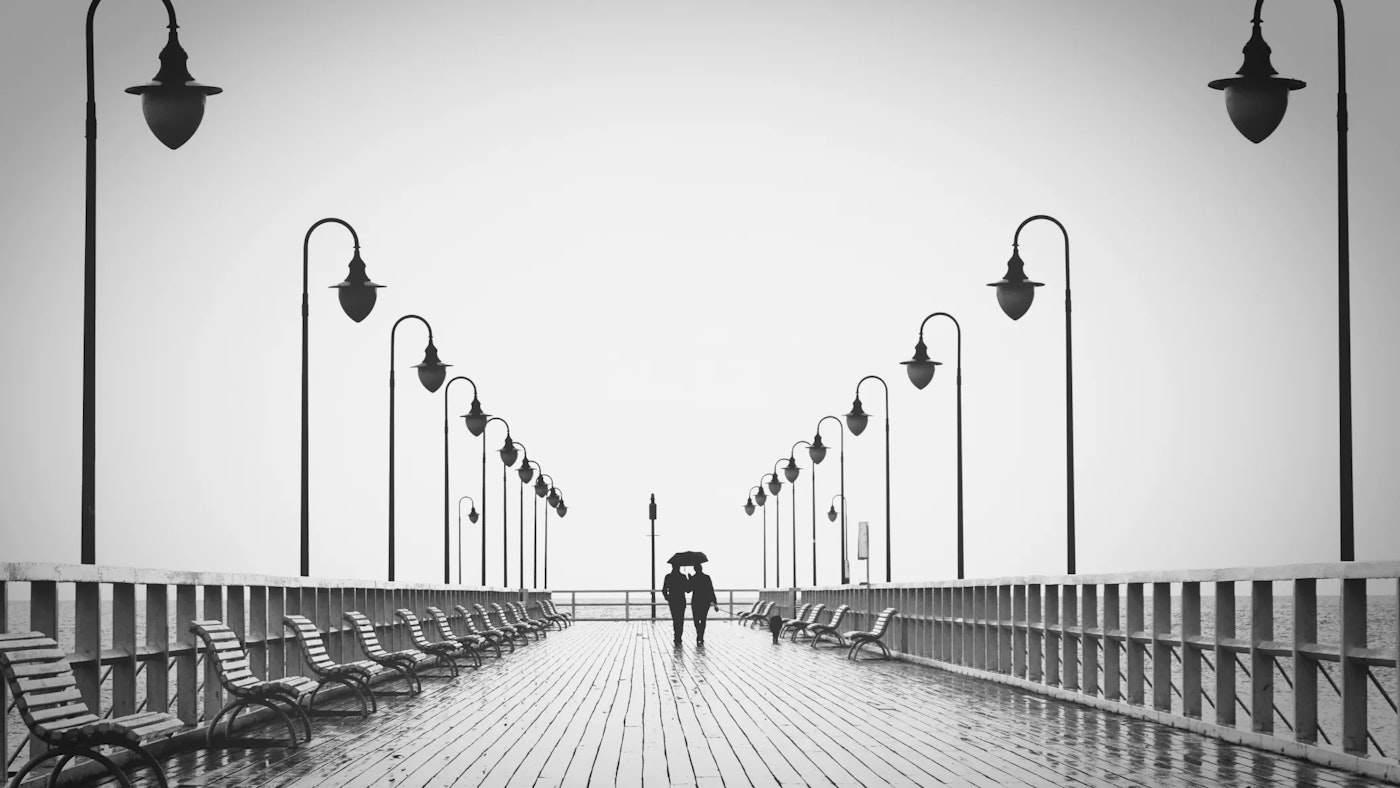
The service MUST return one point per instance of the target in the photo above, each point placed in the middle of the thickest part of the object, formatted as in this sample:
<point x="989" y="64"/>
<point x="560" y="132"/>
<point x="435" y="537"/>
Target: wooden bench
<point x="859" y="639"/>
<point x="508" y="617"/>
<point x="514" y="631"/>
<point x="552" y="612"/>
<point x="829" y="629"/>
<point x="472" y="640"/>
<point x="558" y="620"/>
<point x="740" y="616"/>
<point x="47" y="698"/>
<point x="225" y="653"/>
<point x="759" y="616"/>
<point x="444" y="651"/>
<point x="795" y="626"/>
<point x="405" y="662"/>
<point x="354" y="675"/>
<point x="493" y="636"/>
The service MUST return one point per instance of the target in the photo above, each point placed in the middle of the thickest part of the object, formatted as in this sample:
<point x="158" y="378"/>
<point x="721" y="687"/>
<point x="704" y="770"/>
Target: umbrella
<point x="688" y="558"/>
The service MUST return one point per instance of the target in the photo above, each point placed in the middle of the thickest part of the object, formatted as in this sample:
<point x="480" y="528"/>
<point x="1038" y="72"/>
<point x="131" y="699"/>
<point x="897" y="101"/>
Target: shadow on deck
<point x="604" y="704"/>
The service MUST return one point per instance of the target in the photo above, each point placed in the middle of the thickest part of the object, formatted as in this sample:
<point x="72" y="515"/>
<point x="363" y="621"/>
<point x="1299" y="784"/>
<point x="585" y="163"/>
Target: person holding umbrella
<point x="702" y="598"/>
<point x="673" y="589"/>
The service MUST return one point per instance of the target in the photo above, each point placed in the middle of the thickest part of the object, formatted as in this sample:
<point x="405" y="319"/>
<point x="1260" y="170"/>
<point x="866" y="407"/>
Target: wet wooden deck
<point x="615" y="704"/>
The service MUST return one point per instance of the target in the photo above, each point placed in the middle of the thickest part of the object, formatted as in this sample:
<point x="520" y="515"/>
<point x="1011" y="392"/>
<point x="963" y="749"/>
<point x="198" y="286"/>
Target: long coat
<point x="702" y="590"/>
<point x="675" y="587"/>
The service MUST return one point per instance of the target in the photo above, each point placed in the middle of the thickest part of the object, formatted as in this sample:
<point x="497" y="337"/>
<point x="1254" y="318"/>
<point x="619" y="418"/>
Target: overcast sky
<point x="665" y="239"/>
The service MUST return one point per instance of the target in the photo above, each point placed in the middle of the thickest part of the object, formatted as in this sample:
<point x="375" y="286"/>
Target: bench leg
<point x="67" y="754"/>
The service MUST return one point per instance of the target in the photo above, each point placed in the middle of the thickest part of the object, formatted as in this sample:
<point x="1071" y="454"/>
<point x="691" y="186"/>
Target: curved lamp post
<point x="542" y="489"/>
<point x="475" y="426"/>
<point x="1256" y="101"/>
<point x="357" y="297"/>
<point x="921" y="369"/>
<point x="511" y="451"/>
<point x="486" y="422"/>
<point x="473" y="516"/>
<point x="775" y="486"/>
<point x="817" y="451"/>
<point x="1015" y="293"/>
<point x="855" y="422"/>
<point x="431" y="373"/>
<point x="173" y="104"/>
<point x="760" y="498"/>
<point x="791" y="471"/>
<point x="527" y="473"/>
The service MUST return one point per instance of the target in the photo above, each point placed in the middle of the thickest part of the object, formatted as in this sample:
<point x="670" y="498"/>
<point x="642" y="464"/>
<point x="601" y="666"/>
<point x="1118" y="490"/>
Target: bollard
<point x="775" y="624"/>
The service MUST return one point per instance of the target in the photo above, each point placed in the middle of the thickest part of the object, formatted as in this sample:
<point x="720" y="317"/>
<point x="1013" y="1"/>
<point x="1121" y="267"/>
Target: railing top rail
<point x="1360" y="570"/>
<point x="641" y="590"/>
<point x="87" y="573"/>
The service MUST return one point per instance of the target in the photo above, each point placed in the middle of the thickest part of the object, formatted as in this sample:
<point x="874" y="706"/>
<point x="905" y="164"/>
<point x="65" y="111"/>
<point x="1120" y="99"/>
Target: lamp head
<point x="541" y="488"/>
<point x="1015" y="292"/>
<point x="431" y="372"/>
<point x="831" y="513"/>
<point x="775" y="485"/>
<point x="562" y="510"/>
<point x="857" y="418"/>
<point x="526" y="471"/>
<point x="509" y="453"/>
<point x="472" y="515"/>
<point x="760" y="497"/>
<point x="357" y="293"/>
<point x="920" y="367"/>
<point x="173" y="102"/>
<point x="791" y="470"/>
<point x="476" y="419"/>
<point x="817" y="451"/>
<point x="554" y="499"/>
<point x="748" y="507"/>
<point x="1257" y="98"/>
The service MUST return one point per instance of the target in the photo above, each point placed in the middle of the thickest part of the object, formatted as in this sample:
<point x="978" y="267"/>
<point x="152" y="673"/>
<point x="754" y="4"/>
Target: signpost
<point x="863" y="554"/>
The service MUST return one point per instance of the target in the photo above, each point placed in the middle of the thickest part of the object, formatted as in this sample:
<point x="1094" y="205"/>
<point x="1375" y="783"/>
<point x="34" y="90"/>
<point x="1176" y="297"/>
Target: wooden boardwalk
<point x="615" y="704"/>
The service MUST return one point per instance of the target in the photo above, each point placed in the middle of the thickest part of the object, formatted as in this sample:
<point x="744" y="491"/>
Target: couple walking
<point x="702" y="598"/>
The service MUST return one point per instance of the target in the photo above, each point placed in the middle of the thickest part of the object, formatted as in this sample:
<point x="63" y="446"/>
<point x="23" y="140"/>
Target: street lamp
<point x="757" y="495"/>
<point x="791" y="472"/>
<point x="1256" y="101"/>
<point x="473" y="516"/>
<point x="510" y="452"/>
<point x="357" y="297"/>
<point x="774" y="485"/>
<point x="855" y="422"/>
<point x="431" y="373"/>
<point x="921" y="369"/>
<point x="472" y="421"/>
<point x="486" y="423"/>
<point x="527" y="473"/>
<point x="541" y="490"/>
<point x="173" y="104"/>
<point x="817" y="452"/>
<point x="1015" y="293"/>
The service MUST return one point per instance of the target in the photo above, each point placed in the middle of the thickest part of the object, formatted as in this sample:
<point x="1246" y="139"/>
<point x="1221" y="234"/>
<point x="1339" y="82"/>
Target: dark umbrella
<point x="688" y="558"/>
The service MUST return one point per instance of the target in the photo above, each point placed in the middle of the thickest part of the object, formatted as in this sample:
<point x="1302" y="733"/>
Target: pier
<point x="1091" y="680"/>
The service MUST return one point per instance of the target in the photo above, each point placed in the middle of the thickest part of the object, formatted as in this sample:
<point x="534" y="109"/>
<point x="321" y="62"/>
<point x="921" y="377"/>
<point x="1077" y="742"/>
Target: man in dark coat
<point x="674" y="589"/>
<point x="702" y="598"/>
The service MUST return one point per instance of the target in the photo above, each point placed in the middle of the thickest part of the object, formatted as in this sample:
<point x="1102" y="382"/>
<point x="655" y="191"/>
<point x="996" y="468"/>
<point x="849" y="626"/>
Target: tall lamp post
<point x="1015" y="293"/>
<point x="921" y="369"/>
<point x="510" y="451"/>
<point x="817" y="451"/>
<point x="1256" y="101"/>
<point x="473" y="516"/>
<point x="488" y="421"/>
<point x="357" y="297"/>
<point x="542" y="489"/>
<point x="527" y="473"/>
<point x="775" y="486"/>
<point x="855" y="422"/>
<point x="760" y="498"/>
<point x="431" y="373"/>
<point x="791" y="471"/>
<point x="173" y="104"/>
<point x="476" y="424"/>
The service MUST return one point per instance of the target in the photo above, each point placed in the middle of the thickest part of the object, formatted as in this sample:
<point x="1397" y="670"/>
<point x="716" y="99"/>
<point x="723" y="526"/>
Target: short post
<point x="651" y="513"/>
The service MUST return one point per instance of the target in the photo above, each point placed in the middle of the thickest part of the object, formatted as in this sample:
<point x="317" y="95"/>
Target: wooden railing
<point x="1202" y="650"/>
<point x="602" y="604"/>
<point x="128" y="629"/>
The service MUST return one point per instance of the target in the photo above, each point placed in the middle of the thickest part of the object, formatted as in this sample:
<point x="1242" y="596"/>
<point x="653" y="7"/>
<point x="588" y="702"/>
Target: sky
<point x="664" y="239"/>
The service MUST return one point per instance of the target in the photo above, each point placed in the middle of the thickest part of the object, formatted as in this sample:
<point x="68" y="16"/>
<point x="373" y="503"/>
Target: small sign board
<point x="863" y="541"/>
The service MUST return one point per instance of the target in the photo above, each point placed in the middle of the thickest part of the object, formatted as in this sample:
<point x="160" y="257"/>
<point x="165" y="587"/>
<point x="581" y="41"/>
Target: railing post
<point x="627" y="605"/>
<point x="1261" y="665"/>
<point x="1053" y="634"/>
<point x="1190" y="652"/>
<point x="1161" y="651"/>
<point x="1068" y="623"/>
<point x="187" y="663"/>
<point x="213" y="692"/>
<point x="4" y="685"/>
<point x="979" y="627"/>
<point x="158" y="643"/>
<point x="1131" y="644"/>
<point x="1007" y="626"/>
<point x="1090" y="635"/>
<point x="276" y="649"/>
<point x="1304" y="668"/>
<point x="123" y="640"/>
<point x="959" y="625"/>
<point x="261" y="631"/>
<point x="1224" y="655"/>
<point x="1035" y="649"/>
<point x="1018" y="633"/>
<point x="1353" y="670"/>
<point x="87" y="644"/>
<point x="1112" y="634"/>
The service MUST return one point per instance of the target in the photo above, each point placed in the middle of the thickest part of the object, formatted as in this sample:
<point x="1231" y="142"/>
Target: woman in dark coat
<point x="702" y="598"/>
<point x="674" y="589"/>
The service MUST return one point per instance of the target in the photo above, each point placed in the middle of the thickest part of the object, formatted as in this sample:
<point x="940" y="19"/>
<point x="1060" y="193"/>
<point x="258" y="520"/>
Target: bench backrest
<point x="838" y="614"/>
<point x="41" y="679"/>
<point x="814" y="613"/>
<point x="500" y="611"/>
<point x="311" y="643"/>
<point x="369" y="641"/>
<point x="415" y="629"/>
<point x="883" y="621"/>
<point x="468" y="622"/>
<point x="440" y="619"/>
<point x="802" y="611"/>
<point x="520" y="611"/>
<point x="225" y="653"/>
